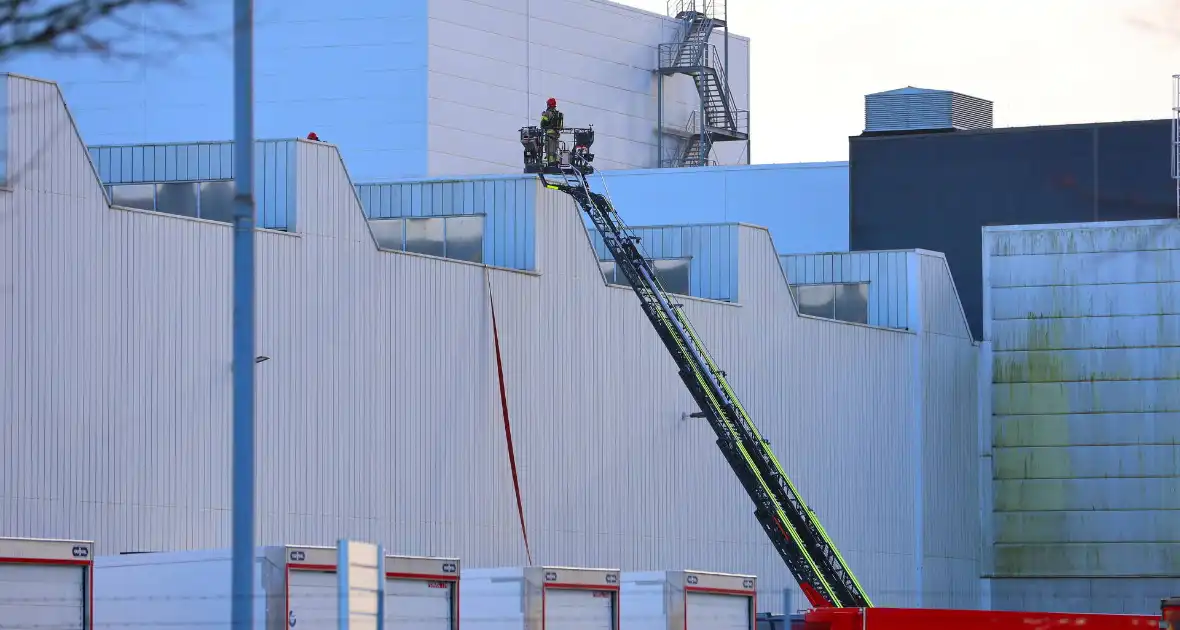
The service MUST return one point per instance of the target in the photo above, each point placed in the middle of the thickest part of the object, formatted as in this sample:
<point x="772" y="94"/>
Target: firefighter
<point x="552" y="122"/>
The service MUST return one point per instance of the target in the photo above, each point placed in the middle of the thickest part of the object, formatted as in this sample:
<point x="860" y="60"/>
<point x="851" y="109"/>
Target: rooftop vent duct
<point x="917" y="109"/>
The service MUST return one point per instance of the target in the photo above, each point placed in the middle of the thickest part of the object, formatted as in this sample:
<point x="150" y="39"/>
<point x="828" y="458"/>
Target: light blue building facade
<point x="356" y="75"/>
<point x="377" y="79"/>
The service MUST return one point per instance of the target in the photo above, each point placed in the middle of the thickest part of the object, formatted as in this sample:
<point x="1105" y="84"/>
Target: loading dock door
<point x="311" y="600"/>
<point x="714" y="611"/>
<point x="579" y="609"/>
<point x="42" y="596"/>
<point x="418" y="605"/>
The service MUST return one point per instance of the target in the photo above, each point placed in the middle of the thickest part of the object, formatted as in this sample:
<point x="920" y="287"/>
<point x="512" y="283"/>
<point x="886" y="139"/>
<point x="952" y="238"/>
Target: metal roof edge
<point x="1091" y="225"/>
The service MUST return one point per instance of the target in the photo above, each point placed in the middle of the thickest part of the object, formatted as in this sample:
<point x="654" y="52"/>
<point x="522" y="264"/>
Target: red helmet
<point x="552" y="102"/>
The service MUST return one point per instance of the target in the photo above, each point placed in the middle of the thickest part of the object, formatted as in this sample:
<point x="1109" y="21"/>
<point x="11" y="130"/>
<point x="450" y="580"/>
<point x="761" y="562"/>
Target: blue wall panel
<point x="507" y="202"/>
<point x="4" y="129"/>
<point x="886" y="272"/>
<point x="355" y="75"/>
<point x="805" y="206"/>
<point x="274" y="171"/>
<point x="713" y="270"/>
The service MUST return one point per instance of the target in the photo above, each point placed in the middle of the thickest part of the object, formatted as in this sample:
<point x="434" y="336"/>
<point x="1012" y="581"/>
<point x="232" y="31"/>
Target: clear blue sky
<point x="1039" y="61"/>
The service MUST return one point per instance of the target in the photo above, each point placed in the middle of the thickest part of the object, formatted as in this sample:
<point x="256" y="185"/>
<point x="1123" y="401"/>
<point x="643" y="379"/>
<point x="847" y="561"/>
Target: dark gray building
<point x="935" y="189"/>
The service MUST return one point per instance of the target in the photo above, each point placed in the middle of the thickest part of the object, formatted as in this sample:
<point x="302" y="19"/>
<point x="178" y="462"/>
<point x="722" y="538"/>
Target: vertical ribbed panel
<point x="378" y="412"/>
<point x="505" y="202"/>
<point x="274" y="169"/>
<point x="713" y="268"/>
<point x="1085" y="325"/>
<point x="916" y="109"/>
<point x="886" y="272"/>
<point x="5" y="151"/>
<point x="813" y="360"/>
<point x="949" y="362"/>
<point x="186" y="162"/>
<point x="942" y="312"/>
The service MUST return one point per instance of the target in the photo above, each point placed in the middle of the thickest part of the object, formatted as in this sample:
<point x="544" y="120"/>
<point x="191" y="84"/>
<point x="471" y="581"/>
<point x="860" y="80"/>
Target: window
<point x="672" y="273"/>
<point x="180" y="199"/>
<point x="206" y="200"/>
<point x="845" y="302"/>
<point x="459" y="237"/>
<point x="425" y="236"/>
<point x="138" y="196"/>
<point x="217" y="201"/>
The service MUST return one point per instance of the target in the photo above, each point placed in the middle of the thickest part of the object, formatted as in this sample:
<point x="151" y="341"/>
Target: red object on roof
<point x="312" y="136"/>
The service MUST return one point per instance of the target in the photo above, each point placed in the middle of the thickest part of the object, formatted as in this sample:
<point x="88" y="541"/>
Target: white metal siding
<point x="312" y="599"/>
<point x="42" y="596"/>
<point x="950" y="363"/>
<point x="579" y="609"/>
<point x="418" y="605"/>
<point x="715" y="611"/>
<point x="1085" y="397"/>
<point x="382" y="380"/>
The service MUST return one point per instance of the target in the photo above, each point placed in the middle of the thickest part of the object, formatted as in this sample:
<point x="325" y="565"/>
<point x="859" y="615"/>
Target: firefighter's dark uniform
<point x="552" y="123"/>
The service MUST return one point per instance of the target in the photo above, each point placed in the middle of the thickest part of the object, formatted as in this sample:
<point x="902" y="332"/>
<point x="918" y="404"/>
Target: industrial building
<point x="419" y="88"/>
<point x="1011" y="448"/>
<point x="1082" y="334"/>
<point x="438" y="88"/>
<point x="935" y="187"/>
<point x="377" y="391"/>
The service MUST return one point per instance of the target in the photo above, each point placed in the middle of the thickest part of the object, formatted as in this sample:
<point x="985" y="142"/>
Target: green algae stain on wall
<point x="1059" y="369"/>
<point x="1030" y="458"/>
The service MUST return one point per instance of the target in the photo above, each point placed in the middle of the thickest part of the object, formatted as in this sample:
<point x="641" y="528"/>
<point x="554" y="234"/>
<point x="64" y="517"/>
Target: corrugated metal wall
<point x="274" y="171"/>
<point x="938" y="431"/>
<point x="910" y="108"/>
<point x="948" y="360"/>
<point x="506" y="203"/>
<point x="1085" y="327"/>
<point x="378" y="410"/>
<point x="713" y="269"/>
<point x="885" y="271"/>
<point x="4" y="129"/>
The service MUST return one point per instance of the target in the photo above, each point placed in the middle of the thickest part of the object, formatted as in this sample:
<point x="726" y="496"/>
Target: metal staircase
<point x="693" y="55"/>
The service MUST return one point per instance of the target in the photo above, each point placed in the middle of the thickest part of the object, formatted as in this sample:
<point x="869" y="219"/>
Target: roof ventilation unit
<point x="916" y="109"/>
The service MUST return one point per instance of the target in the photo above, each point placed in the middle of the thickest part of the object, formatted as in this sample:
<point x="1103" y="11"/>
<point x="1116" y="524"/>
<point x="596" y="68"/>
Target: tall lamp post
<point x="242" y="582"/>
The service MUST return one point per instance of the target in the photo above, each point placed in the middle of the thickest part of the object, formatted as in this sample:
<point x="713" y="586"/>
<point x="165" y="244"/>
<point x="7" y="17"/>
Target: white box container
<point x="295" y="588"/>
<point x="46" y="583"/>
<point x="540" y="598"/>
<point x="689" y="600"/>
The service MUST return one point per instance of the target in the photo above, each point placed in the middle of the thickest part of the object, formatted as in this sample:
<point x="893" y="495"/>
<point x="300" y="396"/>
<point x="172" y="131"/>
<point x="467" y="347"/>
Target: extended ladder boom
<point x="792" y="527"/>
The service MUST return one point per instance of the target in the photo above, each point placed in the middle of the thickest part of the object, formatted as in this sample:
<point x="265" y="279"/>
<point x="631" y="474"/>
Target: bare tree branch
<point x="71" y="27"/>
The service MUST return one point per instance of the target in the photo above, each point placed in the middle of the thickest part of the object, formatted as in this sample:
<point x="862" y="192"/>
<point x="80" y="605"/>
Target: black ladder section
<point x="792" y="527"/>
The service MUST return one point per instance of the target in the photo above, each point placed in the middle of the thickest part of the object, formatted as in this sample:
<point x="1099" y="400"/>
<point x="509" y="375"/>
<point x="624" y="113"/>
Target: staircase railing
<point x="692" y="131"/>
<point x="741" y="117"/>
<point x="709" y="8"/>
<point x="683" y="55"/>
<point x="706" y="59"/>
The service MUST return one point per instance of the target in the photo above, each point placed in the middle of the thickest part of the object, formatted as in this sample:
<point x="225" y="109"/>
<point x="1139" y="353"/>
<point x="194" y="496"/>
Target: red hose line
<point x="507" y="425"/>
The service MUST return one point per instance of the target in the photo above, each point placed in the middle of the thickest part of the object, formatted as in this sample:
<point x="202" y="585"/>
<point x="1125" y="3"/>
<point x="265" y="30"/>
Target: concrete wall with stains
<point x="1083" y="324"/>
